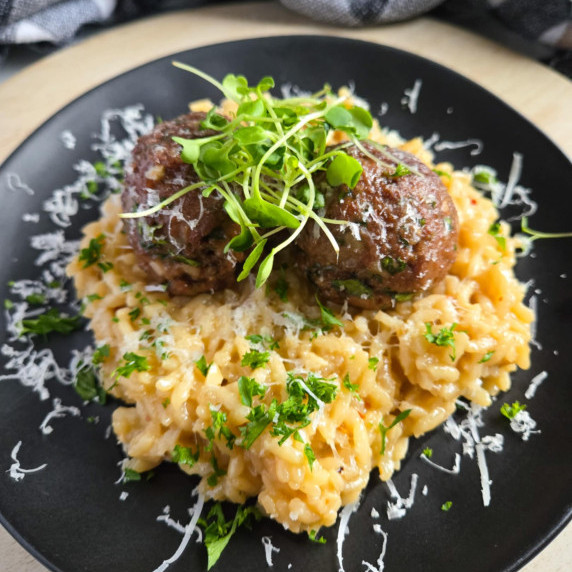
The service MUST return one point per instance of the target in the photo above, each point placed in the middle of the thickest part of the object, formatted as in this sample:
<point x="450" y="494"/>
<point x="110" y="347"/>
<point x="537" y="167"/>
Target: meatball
<point x="182" y="244"/>
<point x="401" y="237"/>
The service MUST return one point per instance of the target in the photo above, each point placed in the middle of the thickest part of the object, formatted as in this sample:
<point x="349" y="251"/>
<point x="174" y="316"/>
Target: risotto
<point x="208" y="380"/>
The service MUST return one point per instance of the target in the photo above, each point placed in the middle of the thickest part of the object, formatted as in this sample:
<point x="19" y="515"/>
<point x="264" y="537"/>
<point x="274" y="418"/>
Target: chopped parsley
<point x="403" y="296"/>
<point x="353" y="287"/>
<point x="218" y="531"/>
<point x="133" y="362"/>
<point x="372" y="363"/>
<point x="87" y="386"/>
<point x="146" y="335"/>
<point x="135" y="313"/>
<point x="36" y="299"/>
<point x="353" y="387"/>
<point x="93" y="297"/>
<point x="281" y="288"/>
<point x="50" y="321"/>
<point x="130" y="475"/>
<point x="165" y="403"/>
<point x="328" y="318"/>
<point x="448" y="222"/>
<point x="511" y="411"/>
<point x="487" y="357"/>
<point x="105" y="266"/>
<point x="313" y="536"/>
<point x="309" y="454"/>
<point x="268" y="341"/>
<point x="255" y="359"/>
<point x="442" y="173"/>
<point x="100" y="354"/>
<point x="305" y="396"/>
<point x="202" y="365"/>
<point x="219" y="429"/>
<point x="428" y="452"/>
<point x="496" y="231"/>
<point x="393" y="265"/>
<point x="444" y="338"/>
<point x="400" y="171"/>
<point x="184" y="455"/>
<point x="484" y="176"/>
<point x="384" y="430"/>
<point x="92" y="254"/>
<point x="248" y="388"/>
<point x="445" y="507"/>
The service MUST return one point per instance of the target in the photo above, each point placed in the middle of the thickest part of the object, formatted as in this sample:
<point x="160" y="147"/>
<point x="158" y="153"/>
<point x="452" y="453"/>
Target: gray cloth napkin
<point x="546" y="22"/>
<point x="54" y="21"/>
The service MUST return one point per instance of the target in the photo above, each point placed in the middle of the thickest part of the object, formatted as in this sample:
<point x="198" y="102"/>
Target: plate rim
<point x="556" y="529"/>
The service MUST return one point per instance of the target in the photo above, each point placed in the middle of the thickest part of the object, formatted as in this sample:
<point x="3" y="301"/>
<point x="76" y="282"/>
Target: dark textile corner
<point x="540" y="29"/>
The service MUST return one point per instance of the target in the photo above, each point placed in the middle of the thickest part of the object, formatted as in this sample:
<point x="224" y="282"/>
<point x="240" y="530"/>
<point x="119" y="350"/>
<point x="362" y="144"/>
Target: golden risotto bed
<point x="385" y="355"/>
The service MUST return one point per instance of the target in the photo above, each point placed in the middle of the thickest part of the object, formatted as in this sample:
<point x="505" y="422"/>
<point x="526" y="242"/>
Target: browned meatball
<point x="401" y="238"/>
<point x="183" y="244"/>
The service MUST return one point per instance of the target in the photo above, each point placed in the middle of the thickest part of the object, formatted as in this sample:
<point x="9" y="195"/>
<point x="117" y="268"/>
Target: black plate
<point x="70" y="516"/>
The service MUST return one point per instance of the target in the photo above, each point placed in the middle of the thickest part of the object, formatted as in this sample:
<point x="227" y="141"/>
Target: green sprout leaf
<point x="344" y="170"/>
<point x="356" y="121"/>
<point x="191" y="149"/>
<point x="264" y="270"/>
<point x="401" y="170"/>
<point x="536" y="234"/>
<point x="235" y="87"/>
<point x="268" y="215"/>
<point x="251" y="260"/>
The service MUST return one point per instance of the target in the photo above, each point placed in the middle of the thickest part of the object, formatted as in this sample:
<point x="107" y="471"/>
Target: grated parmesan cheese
<point x="453" y="471"/>
<point x="57" y="412"/>
<point x="269" y="548"/>
<point x="380" y="565"/>
<point x="343" y="531"/>
<point x="68" y="139"/>
<point x="399" y="508"/>
<point x="411" y="97"/>
<point x="478" y="144"/>
<point x="524" y="424"/>
<point x="535" y="382"/>
<point x="15" y="184"/>
<point x="189" y="529"/>
<point x="15" y="471"/>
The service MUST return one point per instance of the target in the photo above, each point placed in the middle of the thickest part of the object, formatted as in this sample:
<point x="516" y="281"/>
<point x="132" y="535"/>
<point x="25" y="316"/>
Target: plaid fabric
<point x="54" y="21"/>
<point x="58" y="21"/>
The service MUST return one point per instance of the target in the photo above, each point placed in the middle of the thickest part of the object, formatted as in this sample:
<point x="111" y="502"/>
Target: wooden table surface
<point x="32" y="96"/>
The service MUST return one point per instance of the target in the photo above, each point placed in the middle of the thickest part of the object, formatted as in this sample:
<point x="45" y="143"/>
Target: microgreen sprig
<point x="536" y="234"/>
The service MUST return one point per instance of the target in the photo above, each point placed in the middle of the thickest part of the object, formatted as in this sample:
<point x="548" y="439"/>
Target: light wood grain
<point x="29" y="98"/>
